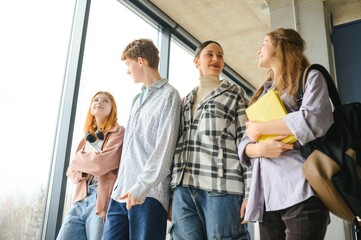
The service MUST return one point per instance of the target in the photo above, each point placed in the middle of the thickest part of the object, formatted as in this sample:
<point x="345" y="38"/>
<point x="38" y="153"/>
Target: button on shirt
<point x="149" y="144"/>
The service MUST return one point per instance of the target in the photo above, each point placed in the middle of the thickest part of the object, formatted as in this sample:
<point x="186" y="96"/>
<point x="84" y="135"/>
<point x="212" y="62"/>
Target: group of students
<point x="196" y="161"/>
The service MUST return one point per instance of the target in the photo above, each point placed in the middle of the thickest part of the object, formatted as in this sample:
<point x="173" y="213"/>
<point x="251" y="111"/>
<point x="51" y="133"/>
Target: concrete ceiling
<point x="239" y="26"/>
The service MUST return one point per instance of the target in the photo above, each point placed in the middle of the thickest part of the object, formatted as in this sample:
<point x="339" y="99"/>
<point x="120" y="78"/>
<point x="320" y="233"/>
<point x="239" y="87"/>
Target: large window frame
<point x="63" y="142"/>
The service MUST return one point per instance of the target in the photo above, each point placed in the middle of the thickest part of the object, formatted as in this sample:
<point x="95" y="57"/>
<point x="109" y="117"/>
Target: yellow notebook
<point x="267" y="108"/>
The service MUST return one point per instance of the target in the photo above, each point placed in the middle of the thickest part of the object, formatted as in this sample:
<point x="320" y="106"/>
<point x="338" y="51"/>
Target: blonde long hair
<point x="291" y="61"/>
<point x="90" y="124"/>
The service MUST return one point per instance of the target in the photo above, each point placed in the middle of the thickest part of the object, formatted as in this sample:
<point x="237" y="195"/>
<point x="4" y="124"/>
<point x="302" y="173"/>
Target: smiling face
<point x="101" y="106"/>
<point x="210" y="61"/>
<point x="266" y="54"/>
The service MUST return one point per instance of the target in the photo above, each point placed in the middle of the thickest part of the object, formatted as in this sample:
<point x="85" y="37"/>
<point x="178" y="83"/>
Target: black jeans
<point x="304" y="221"/>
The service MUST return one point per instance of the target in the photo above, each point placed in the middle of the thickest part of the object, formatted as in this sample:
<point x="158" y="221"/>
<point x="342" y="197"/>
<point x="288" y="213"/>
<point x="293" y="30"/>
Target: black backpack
<point x="333" y="162"/>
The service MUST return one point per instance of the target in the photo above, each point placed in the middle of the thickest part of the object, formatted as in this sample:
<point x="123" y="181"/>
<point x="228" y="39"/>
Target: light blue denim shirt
<point x="278" y="183"/>
<point x="150" y="139"/>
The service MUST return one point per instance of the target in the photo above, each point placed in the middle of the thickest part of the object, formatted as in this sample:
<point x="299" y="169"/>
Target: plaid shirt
<point x="206" y="153"/>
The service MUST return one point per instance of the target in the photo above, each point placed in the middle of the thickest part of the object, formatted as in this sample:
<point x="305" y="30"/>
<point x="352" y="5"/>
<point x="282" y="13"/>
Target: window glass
<point x="111" y="27"/>
<point x="34" y="46"/>
<point x="183" y="74"/>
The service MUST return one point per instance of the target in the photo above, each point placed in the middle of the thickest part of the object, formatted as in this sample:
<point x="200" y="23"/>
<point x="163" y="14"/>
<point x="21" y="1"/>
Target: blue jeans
<point x="82" y="222"/>
<point x="198" y="214"/>
<point x="147" y="221"/>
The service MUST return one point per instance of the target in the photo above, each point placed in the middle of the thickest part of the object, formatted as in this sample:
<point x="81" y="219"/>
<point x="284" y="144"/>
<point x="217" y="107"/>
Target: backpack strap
<point x="301" y="88"/>
<point x="331" y="87"/>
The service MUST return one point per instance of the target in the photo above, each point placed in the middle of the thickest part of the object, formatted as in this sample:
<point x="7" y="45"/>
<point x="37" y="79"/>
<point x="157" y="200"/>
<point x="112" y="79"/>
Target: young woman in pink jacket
<point x="94" y="169"/>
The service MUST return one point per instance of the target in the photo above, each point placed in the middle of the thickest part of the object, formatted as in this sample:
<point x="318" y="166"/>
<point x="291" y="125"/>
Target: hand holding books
<point x="267" y="108"/>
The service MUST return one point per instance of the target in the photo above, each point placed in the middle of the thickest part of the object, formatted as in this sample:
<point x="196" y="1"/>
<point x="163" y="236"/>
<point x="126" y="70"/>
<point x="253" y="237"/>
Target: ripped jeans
<point x="199" y="214"/>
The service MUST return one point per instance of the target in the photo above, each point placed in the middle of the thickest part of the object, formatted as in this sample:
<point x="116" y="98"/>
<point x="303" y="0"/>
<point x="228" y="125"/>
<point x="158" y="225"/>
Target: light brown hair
<point x="143" y="48"/>
<point x="291" y="61"/>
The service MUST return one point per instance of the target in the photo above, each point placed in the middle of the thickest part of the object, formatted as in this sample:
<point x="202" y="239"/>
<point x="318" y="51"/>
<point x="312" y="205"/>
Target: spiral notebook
<point x="267" y="108"/>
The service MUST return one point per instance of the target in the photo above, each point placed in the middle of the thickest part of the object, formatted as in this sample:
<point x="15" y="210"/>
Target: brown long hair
<point x="90" y="124"/>
<point x="289" y="56"/>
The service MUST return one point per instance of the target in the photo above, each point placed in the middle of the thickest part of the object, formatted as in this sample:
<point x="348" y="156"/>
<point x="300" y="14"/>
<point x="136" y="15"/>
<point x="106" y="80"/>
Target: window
<point x="183" y="74"/>
<point x="110" y="28"/>
<point x="34" y="44"/>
